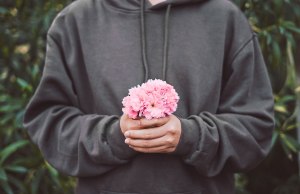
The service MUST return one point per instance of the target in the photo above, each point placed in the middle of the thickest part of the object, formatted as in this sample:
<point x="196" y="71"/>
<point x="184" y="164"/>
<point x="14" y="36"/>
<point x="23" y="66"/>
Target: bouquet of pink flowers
<point x="153" y="99"/>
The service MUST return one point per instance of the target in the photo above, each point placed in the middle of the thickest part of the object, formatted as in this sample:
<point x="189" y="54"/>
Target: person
<point x="98" y="49"/>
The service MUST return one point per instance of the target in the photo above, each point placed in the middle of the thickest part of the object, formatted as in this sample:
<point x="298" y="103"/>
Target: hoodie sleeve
<point x="238" y="136"/>
<point x="74" y="142"/>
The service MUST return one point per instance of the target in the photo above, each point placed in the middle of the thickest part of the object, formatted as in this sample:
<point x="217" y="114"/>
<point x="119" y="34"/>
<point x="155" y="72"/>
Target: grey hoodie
<point x="206" y="50"/>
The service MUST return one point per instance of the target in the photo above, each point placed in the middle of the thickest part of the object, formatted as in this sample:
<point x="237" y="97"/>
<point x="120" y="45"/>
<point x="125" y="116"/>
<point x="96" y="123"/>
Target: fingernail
<point x="127" y="141"/>
<point x="127" y="133"/>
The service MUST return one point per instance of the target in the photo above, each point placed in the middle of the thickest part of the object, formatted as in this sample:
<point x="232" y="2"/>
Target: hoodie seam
<point x="241" y="48"/>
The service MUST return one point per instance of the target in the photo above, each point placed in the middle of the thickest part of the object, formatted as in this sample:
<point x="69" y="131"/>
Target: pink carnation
<point x="153" y="99"/>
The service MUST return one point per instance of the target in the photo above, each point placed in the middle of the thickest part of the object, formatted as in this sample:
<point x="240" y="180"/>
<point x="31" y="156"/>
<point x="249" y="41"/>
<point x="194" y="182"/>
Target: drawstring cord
<point x="144" y="45"/>
<point x="143" y="37"/>
<point x="166" y="42"/>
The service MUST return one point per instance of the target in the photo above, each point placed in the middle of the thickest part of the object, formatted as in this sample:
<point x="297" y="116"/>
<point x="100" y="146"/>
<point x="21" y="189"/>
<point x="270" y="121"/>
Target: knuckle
<point x="172" y="129"/>
<point x="168" y="150"/>
<point x="170" y="140"/>
<point x="133" y="124"/>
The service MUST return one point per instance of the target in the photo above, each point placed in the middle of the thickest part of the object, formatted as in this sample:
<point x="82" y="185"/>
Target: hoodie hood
<point x="134" y="5"/>
<point x="173" y="2"/>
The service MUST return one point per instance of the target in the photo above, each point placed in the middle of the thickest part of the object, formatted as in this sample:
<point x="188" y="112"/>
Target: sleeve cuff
<point x="116" y="141"/>
<point x="189" y="139"/>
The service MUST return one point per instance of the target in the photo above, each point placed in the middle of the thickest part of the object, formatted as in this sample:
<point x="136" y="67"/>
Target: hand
<point x="127" y="124"/>
<point x="162" y="136"/>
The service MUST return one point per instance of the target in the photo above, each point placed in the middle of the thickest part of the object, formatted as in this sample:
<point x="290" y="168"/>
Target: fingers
<point x="160" y="145"/>
<point x="133" y="124"/>
<point x="147" y="143"/>
<point x="127" y="124"/>
<point x="160" y="149"/>
<point x="153" y="136"/>
<point x="167" y="141"/>
<point x="151" y="133"/>
<point x="145" y="123"/>
<point x="145" y="133"/>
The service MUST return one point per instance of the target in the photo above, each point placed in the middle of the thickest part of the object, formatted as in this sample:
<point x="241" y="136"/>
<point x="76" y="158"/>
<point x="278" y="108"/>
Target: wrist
<point x="116" y="140"/>
<point x="190" y="136"/>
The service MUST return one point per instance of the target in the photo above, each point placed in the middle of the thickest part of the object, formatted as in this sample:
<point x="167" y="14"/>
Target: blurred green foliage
<point x="23" y="29"/>
<point x="277" y="23"/>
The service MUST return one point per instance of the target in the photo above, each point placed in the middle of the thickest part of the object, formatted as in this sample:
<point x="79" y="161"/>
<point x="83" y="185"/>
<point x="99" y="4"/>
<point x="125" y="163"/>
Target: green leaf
<point x="10" y="107"/>
<point x="19" y="119"/>
<point x="276" y="51"/>
<point x="290" y="142"/>
<point x="35" y="183"/>
<point x="18" y="183"/>
<point x="291" y="127"/>
<point x="4" y="98"/>
<point x="35" y="71"/>
<point x="6" y="118"/>
<point x="24" y="84"/>
<point x="290" y="38"/>
<point x="281" y="109"/>
<point x="3" y="175"/>
<point x="53" y="173"/>
<point x="281" y="30"/>
<point x="285" y="99"/>
<point x="297" y="90"/>
<point x="3" y="10"/>
<point x="269" y="38"/>
<point x="10" y="149"/>
<point x="287" y="151"/>
<point x="6" y="187"/>
<point x="274" y="138"/>
<point x="278" y="3"/>
<point x="32" y="161"/>
<point x="293" y="28"/>
<point x="16" y="169"/>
